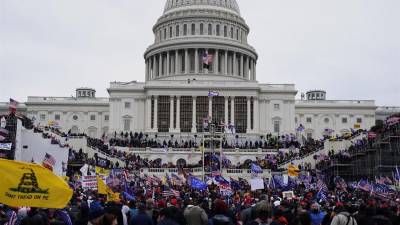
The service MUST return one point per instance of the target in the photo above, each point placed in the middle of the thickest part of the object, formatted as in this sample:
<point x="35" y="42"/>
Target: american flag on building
<point x="207" y="60"/>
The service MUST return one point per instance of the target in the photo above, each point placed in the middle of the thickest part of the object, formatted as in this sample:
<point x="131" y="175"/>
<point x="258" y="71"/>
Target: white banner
<point x="257" y="184"/>
<point x="5" y="146"/>
<point x="89" y="182"/>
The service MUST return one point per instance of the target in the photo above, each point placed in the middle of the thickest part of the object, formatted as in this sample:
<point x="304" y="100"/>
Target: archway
<point x="181" y="162"/>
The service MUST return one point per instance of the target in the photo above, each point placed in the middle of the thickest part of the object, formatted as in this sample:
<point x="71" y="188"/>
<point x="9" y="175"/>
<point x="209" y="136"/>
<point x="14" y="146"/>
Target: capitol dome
<point x="227" y="5"/>
<point x="202" y="40"/>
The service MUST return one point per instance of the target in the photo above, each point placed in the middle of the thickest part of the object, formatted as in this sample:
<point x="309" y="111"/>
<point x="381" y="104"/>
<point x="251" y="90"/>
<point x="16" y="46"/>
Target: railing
<point x="344" y="102"/>
<point x="193" y="150"/>
<point x="245" y="173"/>
<point x="39" y="99"/>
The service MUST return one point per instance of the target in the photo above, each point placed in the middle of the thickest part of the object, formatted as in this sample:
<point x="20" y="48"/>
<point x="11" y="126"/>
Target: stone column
<point x="216" y="62"/>
<point x="251" y="68"/>
<point x="155" y="114"/>
<point x="196" y="61"/>
<point x="255" y="70"/>
<point x="234" y="65"/>
<point x="154" y="66"/>
<point x="210" y="107"/>
<point x="246" y="67"/>
<point x="241" y="74"/>
<point x="226" y="110"/>
<point x="186" y="61"/>
<point x="168" y="63"/>
<point x="178" y="114"/>
<point x="226" y="63"/>
<point x="147" y="69"/>
<point x="248" y="115"/>
<point x="256" y="110"/>
<point x="148" y="113"/>
<point x="171" y="114"/>
<point x="233" y="110"/>
<point x="160" y="65"/>
<point x="194" y="129"/>
<point x="177" y="70"/>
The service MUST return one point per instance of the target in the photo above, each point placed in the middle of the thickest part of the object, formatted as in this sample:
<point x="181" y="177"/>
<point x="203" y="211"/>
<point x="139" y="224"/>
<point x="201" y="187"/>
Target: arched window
<point x="193" y="29"/>
<point x="237" y="34"/>
<point x="184" y="29"/>
<point x="170" y="32"/>
<point x="177" y="31"/>
<point x="165" y="33"/>
<point x="225" y="31"/>
<point x="201" y="29"/>
<point x="209" y="29"/>
<point x="232" y="32"/>
<point x="217" y="30"/>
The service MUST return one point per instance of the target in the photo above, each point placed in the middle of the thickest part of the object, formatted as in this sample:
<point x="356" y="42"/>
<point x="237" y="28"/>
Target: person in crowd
<point x="343" y="217"/>
<point x="262" y="214"/>
<point x="195" y="214"/>
<point x="316" y="215"/>
<point x="220" y="210"/>
<point x="141" y="218"/>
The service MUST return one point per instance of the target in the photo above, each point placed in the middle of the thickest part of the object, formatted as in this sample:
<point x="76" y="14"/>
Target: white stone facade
<point x="174" y="99"/>
<point x="80" y="115"/>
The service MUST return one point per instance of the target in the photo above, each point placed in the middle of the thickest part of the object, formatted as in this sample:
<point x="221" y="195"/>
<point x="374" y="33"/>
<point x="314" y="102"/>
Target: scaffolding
<point x="212" y="137"/>
<point x="376" y="159"/>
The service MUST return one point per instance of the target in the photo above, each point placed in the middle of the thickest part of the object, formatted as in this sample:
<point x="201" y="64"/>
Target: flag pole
<point x="202" y="153"/>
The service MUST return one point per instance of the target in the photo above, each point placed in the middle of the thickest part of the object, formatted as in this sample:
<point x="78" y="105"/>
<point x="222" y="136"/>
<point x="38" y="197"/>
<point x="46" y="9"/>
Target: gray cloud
<point x="349" y="48"/>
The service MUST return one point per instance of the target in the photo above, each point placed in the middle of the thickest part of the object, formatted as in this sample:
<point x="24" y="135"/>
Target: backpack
<point x="349" y="218"/>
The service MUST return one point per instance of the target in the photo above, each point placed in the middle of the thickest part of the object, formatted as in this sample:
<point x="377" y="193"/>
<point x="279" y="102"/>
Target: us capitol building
<point x="201" y="67"/>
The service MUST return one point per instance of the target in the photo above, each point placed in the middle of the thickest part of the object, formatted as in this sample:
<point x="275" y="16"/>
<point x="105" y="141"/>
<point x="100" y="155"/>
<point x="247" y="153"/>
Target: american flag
<point x="321" y="185"/>
<point x="13" y="105"/>
<point x="49" y="159"/>
<point x="207" y="59"/>
<point x="171" y="193"/>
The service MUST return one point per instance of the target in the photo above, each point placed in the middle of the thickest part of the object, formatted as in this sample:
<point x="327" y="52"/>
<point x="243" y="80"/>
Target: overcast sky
<point x="350" y="48"/>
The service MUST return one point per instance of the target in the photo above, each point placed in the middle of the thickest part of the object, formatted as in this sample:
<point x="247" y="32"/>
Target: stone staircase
<point x="336" y="146"/>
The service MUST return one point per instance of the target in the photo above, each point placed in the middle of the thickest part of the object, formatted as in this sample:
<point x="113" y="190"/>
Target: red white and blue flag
<point x="207" y="59"/>
<point x="13" y="105"/>
<point x="49" y="161"/>
<point x="171" y="193"/>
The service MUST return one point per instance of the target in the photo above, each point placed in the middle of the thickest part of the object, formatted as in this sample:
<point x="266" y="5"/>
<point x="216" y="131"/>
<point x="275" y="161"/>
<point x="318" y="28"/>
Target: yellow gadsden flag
<point x="103" y="189"/>
<point x="27" y="184"/>
<point x="293" y="171"/>
<point x="102" y="171"/>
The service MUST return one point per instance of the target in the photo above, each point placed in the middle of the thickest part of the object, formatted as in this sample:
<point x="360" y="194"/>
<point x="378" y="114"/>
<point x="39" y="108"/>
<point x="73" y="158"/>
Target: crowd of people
<point x="145" y="200"/>
<point x="152" y="203"/>
<point x="293" y="150"/>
